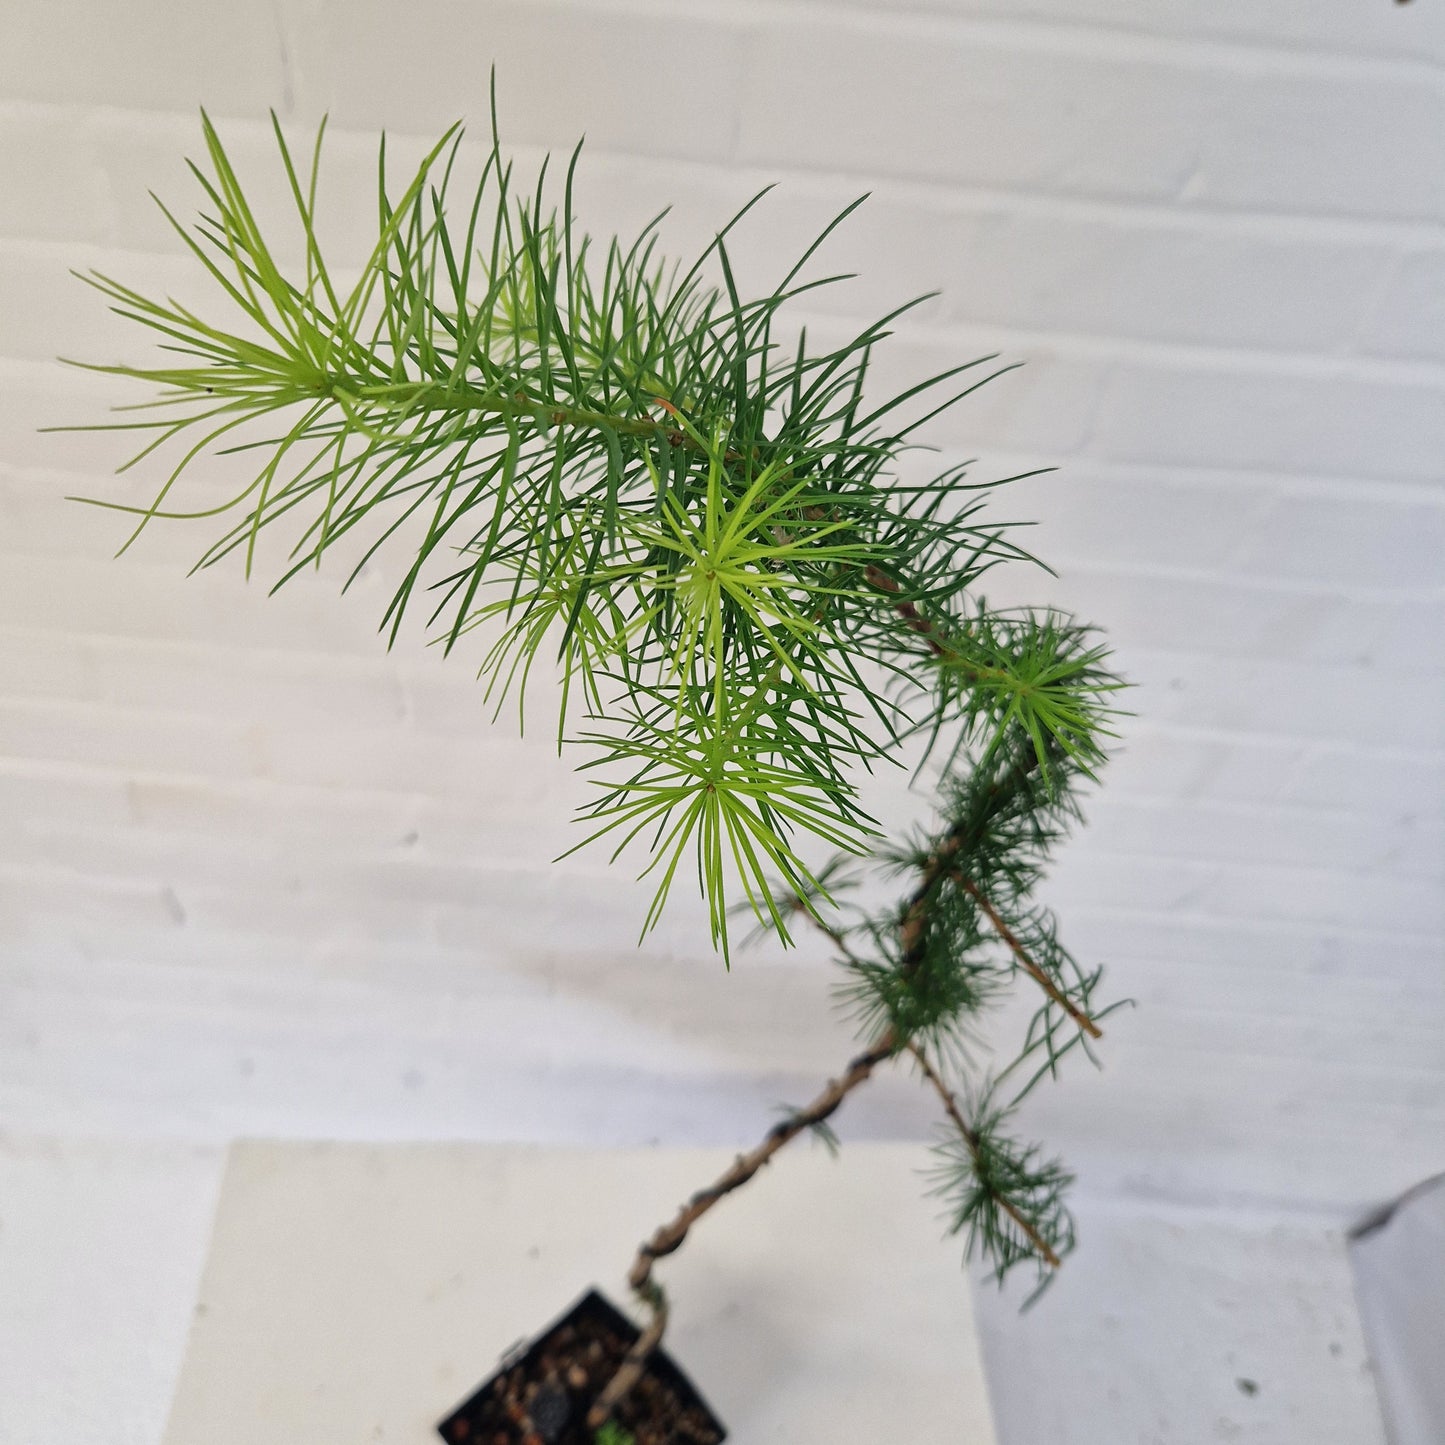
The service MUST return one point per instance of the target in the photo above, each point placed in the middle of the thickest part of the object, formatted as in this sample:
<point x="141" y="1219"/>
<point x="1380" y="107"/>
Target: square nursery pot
<point x="541" y="1393"/>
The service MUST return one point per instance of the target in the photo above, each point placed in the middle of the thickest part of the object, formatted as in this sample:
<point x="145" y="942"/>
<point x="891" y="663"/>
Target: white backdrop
<point x="259" y="876"/>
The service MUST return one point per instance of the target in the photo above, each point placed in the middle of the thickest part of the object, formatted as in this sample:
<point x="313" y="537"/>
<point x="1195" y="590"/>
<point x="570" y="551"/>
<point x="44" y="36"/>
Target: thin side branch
<point x="517" y="405"/>
<point x="917" y="622"/>
<point x="1026" y="962"/>
<point x="1036" y="1241"/>
<point x="834" y="936"/>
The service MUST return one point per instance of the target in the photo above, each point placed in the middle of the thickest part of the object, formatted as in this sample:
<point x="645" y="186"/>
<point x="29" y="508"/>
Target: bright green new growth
<point x="603" y="461"/>
<point x="613" y="1434"/>
<point x="616" y="465"/>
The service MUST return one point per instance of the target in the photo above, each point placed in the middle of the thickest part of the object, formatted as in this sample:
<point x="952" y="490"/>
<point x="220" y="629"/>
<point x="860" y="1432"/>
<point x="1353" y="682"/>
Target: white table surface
<point x="1145" y="1340"/>
<point x="358" y="1292"/>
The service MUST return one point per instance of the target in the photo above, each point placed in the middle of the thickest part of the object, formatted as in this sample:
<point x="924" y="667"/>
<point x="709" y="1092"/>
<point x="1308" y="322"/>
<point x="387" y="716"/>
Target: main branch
<point x="670" y="1236"/>
<point x="913" y="925"/>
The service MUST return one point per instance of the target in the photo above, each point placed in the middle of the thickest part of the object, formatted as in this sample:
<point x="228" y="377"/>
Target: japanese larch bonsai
<point x="611" y="465"/>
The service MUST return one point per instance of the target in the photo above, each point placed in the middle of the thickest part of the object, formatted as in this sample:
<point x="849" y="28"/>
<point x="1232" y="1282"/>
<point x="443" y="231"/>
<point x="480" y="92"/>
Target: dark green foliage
<point x="1000" y="819"/>
<point x="1038" y="671"/>
<point x="943" y="984"/>
<point x="964" y="932"/>
<point x="1004" y="1197"/>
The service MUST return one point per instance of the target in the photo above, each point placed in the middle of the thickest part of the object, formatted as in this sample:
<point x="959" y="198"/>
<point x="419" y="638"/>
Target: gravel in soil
<point x="543" y="1399"/>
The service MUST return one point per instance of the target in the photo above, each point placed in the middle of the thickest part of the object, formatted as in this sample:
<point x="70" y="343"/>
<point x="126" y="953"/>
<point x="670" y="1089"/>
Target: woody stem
<point x="669" y="1237"/>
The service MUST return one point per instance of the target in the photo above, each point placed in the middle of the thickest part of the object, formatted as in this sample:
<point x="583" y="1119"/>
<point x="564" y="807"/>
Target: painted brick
<point x="1217" y="957"/>
<point x="1158" y="277"/>
<point x="128" y="599"/>
<point x="1371" y="543"/>
<point x="53" y="668"/>
<point x="1322" y="703"/>
<point x="282" y="817"/>
<point x="104" y="737"/>
<point x="1024" y="262"/>
<point x="1138" y="277"/>
<point x="47" y="177"/>
<point x="38" y="903"/>
<point x="1172" y="410"/>
<point x="36" y="520"/>
<point x="549" y="58"/>
<point x="1155" y="761"/>
<point x="1409" y="318"/>
<point x="1301" y="29"/>
<point x="77" y="321"/>
<point x="1320" y="897"/>
<point x="206" y="681"/>
<point x="1047" y="405"/>
<point x="50" y="796"/>
<point x="1304" y="424"/>
<point x="1227" y="618"/>
<point x="1105" y="515"/>
<point x="1349" y="776"/>
<point x="1099" y="122"/>
<point x="50" y="395"/>
<point x="1248" y="832"/>
<point x="136" y="153"/>
<point x="170" y="55"/>
<point x="1353" y="535"/>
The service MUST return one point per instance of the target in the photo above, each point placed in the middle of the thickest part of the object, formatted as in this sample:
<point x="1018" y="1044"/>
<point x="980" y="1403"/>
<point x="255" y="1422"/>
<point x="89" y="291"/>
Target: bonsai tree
<point x="609" y="464"/>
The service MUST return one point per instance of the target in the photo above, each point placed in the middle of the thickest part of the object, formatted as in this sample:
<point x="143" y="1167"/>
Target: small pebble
<point x="550" y="1410"/>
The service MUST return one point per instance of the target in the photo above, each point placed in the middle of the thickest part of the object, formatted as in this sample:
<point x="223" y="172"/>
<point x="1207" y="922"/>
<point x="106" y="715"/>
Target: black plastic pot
<point x="541" y="1396"/>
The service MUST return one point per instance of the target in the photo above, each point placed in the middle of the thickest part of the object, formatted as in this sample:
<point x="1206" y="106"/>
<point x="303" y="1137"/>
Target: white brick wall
<point x="259" y="875"/>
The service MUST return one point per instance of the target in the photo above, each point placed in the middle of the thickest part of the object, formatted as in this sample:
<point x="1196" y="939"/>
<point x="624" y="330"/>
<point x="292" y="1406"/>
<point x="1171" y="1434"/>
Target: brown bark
<point x="1027" y="963"/>
<point x="669" y="1237"/>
